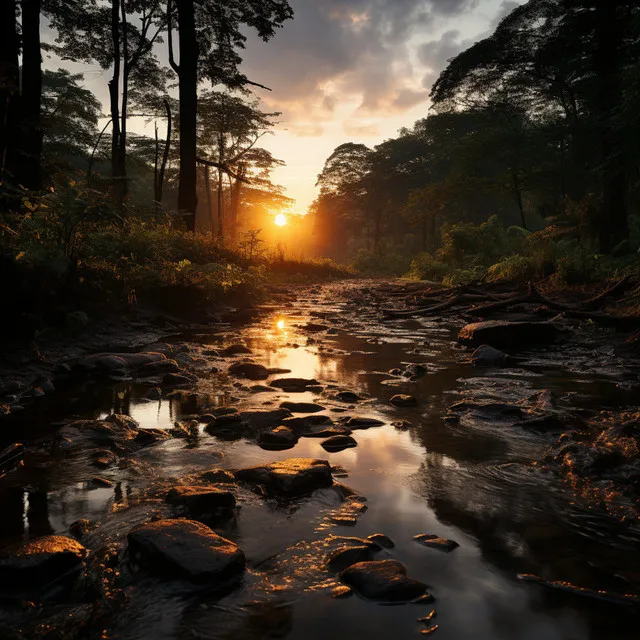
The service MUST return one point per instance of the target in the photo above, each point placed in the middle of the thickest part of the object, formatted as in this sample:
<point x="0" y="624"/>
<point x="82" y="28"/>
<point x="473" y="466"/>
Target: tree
<point x="210" y="33"/>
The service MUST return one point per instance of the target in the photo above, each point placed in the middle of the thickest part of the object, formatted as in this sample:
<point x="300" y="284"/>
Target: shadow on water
<point x="473" y="483"/>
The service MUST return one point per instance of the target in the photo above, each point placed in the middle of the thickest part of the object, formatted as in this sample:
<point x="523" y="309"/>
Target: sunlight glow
<point x="280" y="324"/>
<point x="281" y="219"/>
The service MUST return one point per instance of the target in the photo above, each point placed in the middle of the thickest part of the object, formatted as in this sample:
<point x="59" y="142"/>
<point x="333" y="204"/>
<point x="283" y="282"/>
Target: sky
<point x="346" y="71"/>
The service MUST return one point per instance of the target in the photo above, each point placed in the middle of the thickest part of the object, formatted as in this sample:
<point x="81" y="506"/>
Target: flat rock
<point x="327" y="432"/>
<point x="294" y="385"/>
<point x="200" y="501"/>
<point x="186" y="549"/>
<point x="381" y="540"/>
<point x="414" y="371"/>
<point x="382" y="581"/>
<point x="347" y="396"/>
<point x="357" y="422"/>
<point x="436" y="542"/>
<point x="39" y="563"/>
<point x="338" y="443"/>
<point x="277" y="439"/>
<point x="487" y="356"/>
<point x="265" y="419"/>
<point x="157" y="368"/>
<point x="305" y="424"/>
<point x="234" y="350"/>
<point x="302" y="407"/>
<point x="248" y="370"/>
<point x="289" y="478"/>
<point x="403" y="400"/>
<point x="218" y="476"/>
<point x="507" y="335"/>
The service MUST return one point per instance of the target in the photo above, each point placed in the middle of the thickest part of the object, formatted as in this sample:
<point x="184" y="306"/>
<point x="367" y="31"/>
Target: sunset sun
<point x="281" y="219"/>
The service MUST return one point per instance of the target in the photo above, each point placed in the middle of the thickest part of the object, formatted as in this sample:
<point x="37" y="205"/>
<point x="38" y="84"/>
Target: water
<point x="472" y="482"/>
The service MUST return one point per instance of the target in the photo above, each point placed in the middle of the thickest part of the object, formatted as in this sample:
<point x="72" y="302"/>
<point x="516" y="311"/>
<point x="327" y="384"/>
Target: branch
<point x="257" y="84"/>
<point x="172" y="60"/>
<point x="223" y="167"/>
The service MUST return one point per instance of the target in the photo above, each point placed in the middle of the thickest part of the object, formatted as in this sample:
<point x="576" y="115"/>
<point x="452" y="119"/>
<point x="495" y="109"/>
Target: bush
<point x="517" y="267"/>
<point x="425" y="267"/>
<point x="390" y="263"/>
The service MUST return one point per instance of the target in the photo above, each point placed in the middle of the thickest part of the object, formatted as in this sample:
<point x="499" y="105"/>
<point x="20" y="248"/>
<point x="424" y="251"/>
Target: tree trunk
<point x="207" y="186"/>
<point x="114" y="103"/>
<point x="236" y="191"/>
<point x="613" y="225"/>
<point x="30" y="166"/>
<point x="123" y="186"/>
<point x="221" y="159"/>
<point x="9" y="91"/>
<point x="517" y="190"/>
<point x="188" y="93"/>
<point x="165" y="155"/>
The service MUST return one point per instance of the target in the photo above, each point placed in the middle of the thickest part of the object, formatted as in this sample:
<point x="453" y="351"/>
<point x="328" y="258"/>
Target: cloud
<point x="360" y="130"/>
<point x="435" y="54"/>
<point x="356" y="51"/>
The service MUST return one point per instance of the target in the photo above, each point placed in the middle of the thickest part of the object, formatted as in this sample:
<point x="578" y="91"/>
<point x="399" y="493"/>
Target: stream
<point x="474" y="480"/>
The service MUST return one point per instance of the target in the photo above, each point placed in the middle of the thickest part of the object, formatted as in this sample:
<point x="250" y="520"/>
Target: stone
<point x="338" y="443"/>
<point x="200" y="501"/>
<point x="235" y="350"/>
<point x="276" y="439"/>
<point x="11" y="457"/>
<point x="487" y="356"/>
<point x="179" y="380"/>
<point x="99" y="483"/>
<point x="341" y="591"/>
<point x="103" y="459"/>
<point x="302" y="407"/>
<point x="344" y="521"/>
<point x="294" y="385"/>
<point x="155" y="393"/>
<point x="327" y="432"/>
<point x="402" y="425"/>
<point x="415" y="371"/>
<point x="249" y="370"/>
<point x="304" y="424"/>
<point x="293" y="477"/>
<point x="383" y="581"/>
<point x="186" y="549"/>
<point x="218" y="476"/>
<point x="158" y="368"/>
<point x="261" y="388"/>
<point x="357" y="422"/>
<point x="507" y="335"/>
<point x="347" y="396"/>
<point x="40" y="563"/>
<point x="435" y="542"/>
<point x="346" y="556"/>
<point x="79" y="528"/>
<point x="381" y="540"/>
<point x="403" y="400"/>
<point x="146" y="437"/>
<point x="265" y="419"/>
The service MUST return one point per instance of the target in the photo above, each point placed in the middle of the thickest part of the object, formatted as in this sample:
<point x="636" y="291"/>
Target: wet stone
<point x="294" y="385"/>
<point x="346" y="556"/>
<point x="357" y="422"/>
<point x="381" y="540"/>
<point x="11" y="456"/>
<point x="435" y="542"/>
<point x="186" y="549"/>
<point x="249" y="370"/>
<point x="338" y="443"/>
<point x="347" y="396"/>
<point x="402" y="425"/>
<point x="218" y="476"/>
<point x="403" y="400"/>
<point x="305" y="424"/>
<point x="327" y="432"/>
<point x="341" y="591"/>
<point x="505" y="335"/>
<point x="383" y="581"/>
<point x="289" y="478"/>
<point x="104" y="459"/>
<point x="234" y="350"/>
<point x="344" y="521"/>
<point x="39" y="563"/>
<point x="279" y="438"/>
<point x="200" y="501"/>
<point x="265" y="419"/>
<point x="302" y="407"/>
<point x="487" y="356"/>
<point x="79" y="528"/>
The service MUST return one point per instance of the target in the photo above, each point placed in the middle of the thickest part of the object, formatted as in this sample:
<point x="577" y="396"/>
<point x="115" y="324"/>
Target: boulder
<point x="346" y="556"/>
<point x="414" y="371"/>
<point x="294" y="385"/>
<point x="337" y="443"/>
<point x="383" y="581"/>
<point x="234" y="350"/>
<point x="385" y="542"/>
<point x="501" y="334"/>
<point x="40" y="563"/>
<point x="357" y="422"/>
<point x="260" y="420"/>
<point x="487" y="356"/>
<point x="403" y="400"/>
<point x="158" y="368"/>
<point x="436" y="542"/>
<point x="277" y="439"/>
<point x="302" y="407"/>
<point x="186" y="549"/>
<point x="218" y="476"/>
<point x="249" y="370"/>
<point x="327" y="432"/>
<point x="304" y="424"/>
<point x="289" y="478"/>
<point x="347" y="396"/>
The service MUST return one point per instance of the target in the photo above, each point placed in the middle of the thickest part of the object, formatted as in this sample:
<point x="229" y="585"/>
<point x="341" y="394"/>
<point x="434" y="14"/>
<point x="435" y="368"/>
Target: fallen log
<point x="617" y="289"/>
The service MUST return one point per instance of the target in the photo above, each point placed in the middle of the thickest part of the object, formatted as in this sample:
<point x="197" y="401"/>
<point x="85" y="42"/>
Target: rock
<point x="403" y="400"/>
<point x="225" y="420"/>
<point x="277" y="439"/>
<point x="294" y="385"/>
<point x="261" y="388"/>
<point x="289" y="478"/>
<point x="158" y="368"/>
<point x="186" y="549"/>
<point x="40" y="563"/>
<point x="197" y="502"/>
<point x="492" y="410"/>
<point x="100" y="363"/>
<point x="218" y="412"/>
<point x="179" y="380"/>
<point x="357" y="422"/>
<point x="260" y="420"/>
<point x="218" y="476"/>
<point x="11" y="457"/>
<point x="381" y="540"/>
<point x="99" y="483"/>
<point x="146" y="437"/>
<point x="414" y="371"/>
<point x="79" y="528"/>
<point x="234" y="350"/>
<point x="486" y="356"/>
<point x="402" y="425"/>
<point x="302" y="407"/>
<point x="302" y="425"/>
<point x="382" y="581"/>
<point x="435" y="542"/>
<point x="344" y="557"/>
<point x="154" y="394"/>
<point x="341" y="591"/>
<point x="345" y="521"/>
<point x="103" y="459"/>
<point x="347" y="396"/>
<point x="507" y="335"/>
<point x="327" y="432"/>
<point x="249" y="370"/>
<point x="335" y="444"/>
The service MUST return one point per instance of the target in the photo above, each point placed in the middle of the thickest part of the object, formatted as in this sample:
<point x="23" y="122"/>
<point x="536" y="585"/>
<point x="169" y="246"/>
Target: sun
<point x="281" y="219"/>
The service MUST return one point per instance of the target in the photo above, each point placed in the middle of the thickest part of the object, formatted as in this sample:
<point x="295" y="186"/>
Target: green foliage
<point x="426" y="267"/>
<point x="378" y="263"/>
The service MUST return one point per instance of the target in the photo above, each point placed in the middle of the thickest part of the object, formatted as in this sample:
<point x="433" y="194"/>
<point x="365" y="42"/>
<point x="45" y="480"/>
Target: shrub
<point x="426" y="267"/>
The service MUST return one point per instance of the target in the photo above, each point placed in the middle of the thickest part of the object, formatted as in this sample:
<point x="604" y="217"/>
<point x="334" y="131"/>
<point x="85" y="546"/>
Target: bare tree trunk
<point x="221" y="158"/>
<point x="114" y="102"/>
<point x="207" y="186"/>
<point x="165" y="155"/>
<point x="30" y="171"/>
<point x="517" y="190"/>
<point x="122" y="186"/>
<point x="188" y="92"/>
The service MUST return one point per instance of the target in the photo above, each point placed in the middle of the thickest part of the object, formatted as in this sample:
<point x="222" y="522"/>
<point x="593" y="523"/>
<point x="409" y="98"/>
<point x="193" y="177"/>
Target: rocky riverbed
<point x="287" y="476"/>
